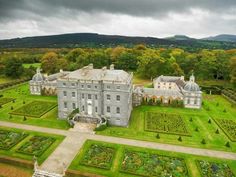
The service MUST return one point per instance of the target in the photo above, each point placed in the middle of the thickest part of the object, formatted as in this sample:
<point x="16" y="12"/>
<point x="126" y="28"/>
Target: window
<point x="118" y="110"/>
<point x="169" y="87"/>
<point x="95" y="87"/>
<point x="96" y="97"/>
<point x="64" y="84"/>
<point x="73" y="94"/>
<point x="118" y="87"/>
<point x="73" y="105"/>
<point x="195" y="101"/>
<point x="64" y="93"/>
<point x="89" y="96"/>
<point x="82" y="95"/>
<point x="88" y="86"/>
<point x="108" y="97"/>
<point x="72" y="84"/>
<point x="82" y="86"/>
<point x="118" y="97"/>
<point x="108" y="109"/>
<point x="108" y="87"/>
<point x="158" y="86"/>
<point x="96" y="109"/>
<point x="188" y="101"/>
<point x="65" y="105"/>
<point x="83" y="108"/>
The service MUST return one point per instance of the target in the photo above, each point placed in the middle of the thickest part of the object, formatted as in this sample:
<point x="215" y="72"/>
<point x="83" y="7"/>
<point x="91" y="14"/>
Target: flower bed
<point x="8" y="139"/>
<point x="35" y="109"/>
<point x="165" y="123"/>
<point x="228" y="126"/>
<point x="98" y="156"/>
<point x="212" y="169"/>
<point x="36" y="145"/>
<point x="5" y="100"/>
<point x="148" y="164"/>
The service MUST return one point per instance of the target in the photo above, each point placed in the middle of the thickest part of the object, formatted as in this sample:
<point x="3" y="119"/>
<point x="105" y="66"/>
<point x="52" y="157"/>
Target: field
<point x="32" y="107"/>
<point x="130" y="161"/>
<point x="7" y="170"/>
<point x="27" y="144"/>
<point x="199" y="123"/>
<point x="35" y="109"/>
<point x="165" y="123"/>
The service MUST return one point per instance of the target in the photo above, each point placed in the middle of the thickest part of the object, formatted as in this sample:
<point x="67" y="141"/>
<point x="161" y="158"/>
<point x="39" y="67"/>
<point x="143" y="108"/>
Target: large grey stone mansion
<point x="109" y="92"/>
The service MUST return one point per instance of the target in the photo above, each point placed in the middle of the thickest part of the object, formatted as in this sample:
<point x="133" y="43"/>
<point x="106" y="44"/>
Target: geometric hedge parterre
<point x="212" y="169"/>
<point x="148" y="164"/>
<point x="35" y="109"/>
<point x="5" y="100"/>
<point x="8" y="139"/>
<point x="98" y="156"/>
<point x="36" y="145"/>
<point x="228" y="126"/>
<point x="165" y="123"/>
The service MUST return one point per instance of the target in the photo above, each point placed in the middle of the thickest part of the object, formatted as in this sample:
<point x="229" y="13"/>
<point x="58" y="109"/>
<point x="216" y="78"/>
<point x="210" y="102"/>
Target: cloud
<point x="158" y="18"/>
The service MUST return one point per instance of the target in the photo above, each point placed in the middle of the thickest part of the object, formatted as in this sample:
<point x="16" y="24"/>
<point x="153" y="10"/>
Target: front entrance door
<point x="90" y="108"/>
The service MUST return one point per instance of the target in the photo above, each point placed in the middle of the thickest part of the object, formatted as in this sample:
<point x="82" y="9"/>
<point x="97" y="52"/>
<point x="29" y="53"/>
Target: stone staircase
<point x="42" y="173"/>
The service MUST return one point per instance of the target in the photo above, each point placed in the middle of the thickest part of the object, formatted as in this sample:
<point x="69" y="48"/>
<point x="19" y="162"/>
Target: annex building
<point x="169" y="88"/>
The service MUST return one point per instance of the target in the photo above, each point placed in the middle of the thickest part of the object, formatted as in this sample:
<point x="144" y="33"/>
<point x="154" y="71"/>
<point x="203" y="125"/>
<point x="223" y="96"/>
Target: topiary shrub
<point x="209" y="121"/>
<point x="224" y="110"/>
<point x="191" y="119"/>
<point x="227" y="144"/>
<point x="203" y="141"/>
<point x="217" y="131"/>
<point x="180" y="138"/>
<point x="196" y="129"/>
<point x="12" y="108"/>
<point x="24" y="119"/>
<point x="158" y="136"/>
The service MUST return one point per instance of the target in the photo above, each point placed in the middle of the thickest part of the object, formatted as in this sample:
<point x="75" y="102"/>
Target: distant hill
<point x="97" y="40"/>
<point x="179" y="37"/>
<point x="222" y="37"/>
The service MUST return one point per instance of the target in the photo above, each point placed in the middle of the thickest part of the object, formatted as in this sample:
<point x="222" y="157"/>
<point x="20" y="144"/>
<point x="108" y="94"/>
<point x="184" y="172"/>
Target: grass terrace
<point x="202" y="130"/>
<point x="30" y="109"/>
<point x="25" y="145"/>
<point x="128" y="161"/>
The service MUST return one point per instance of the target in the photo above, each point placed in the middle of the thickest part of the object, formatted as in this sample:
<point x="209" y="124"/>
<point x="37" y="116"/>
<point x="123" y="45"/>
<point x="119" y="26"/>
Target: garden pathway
<point x="66" y="151"/>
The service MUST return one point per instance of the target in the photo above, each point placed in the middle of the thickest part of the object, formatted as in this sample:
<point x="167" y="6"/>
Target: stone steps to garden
<point x="41" y="173"/>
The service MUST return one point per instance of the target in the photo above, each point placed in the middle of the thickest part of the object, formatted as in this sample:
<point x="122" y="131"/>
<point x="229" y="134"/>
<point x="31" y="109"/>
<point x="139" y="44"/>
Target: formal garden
<point x="35" y="109"/>
<point x="149" y="123"/>
<point x="98" y="156"/>
<point x="165" y="123"/>
<point x="36" y="145"/>
<point x="150" y="164"/>
<point x="229" y="127"/>
<point x="8" y="139"/>
<point x="122" y="160"/>
<point x="18" y="105"/>
<point x="214" y="169"/>
<point x="27" y="144"/>
<point x="4" y="100"/>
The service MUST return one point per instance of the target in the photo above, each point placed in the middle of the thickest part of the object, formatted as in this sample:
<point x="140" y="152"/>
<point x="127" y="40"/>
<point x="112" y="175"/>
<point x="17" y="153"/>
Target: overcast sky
<point x="157" y="18"/>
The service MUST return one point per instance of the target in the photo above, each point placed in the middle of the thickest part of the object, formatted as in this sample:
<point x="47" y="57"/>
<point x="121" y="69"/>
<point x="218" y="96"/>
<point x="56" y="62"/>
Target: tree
<point x="13" y="67"/>
<point x="233" y="71"/>
<point x="49" y="62"/>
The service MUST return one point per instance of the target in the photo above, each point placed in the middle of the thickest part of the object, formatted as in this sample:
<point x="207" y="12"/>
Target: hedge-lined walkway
<point x="66" y="151"/>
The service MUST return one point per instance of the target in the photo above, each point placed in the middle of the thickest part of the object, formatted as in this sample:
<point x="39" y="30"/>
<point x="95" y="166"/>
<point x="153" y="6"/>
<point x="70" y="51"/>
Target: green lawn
<point x="22" y="98"/>
<point x="36" y="65"/>
<point x="200" y="118"/>
<point x="27" y="147"/>
<point x="130" y="159"/>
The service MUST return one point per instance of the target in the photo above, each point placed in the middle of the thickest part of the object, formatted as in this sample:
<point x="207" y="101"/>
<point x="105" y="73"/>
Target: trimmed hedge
<point x="12" y="83"/>
<point x="17" y="162"/>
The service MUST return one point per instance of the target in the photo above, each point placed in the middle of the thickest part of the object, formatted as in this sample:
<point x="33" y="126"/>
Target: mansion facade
<point x="109" y="93"/>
